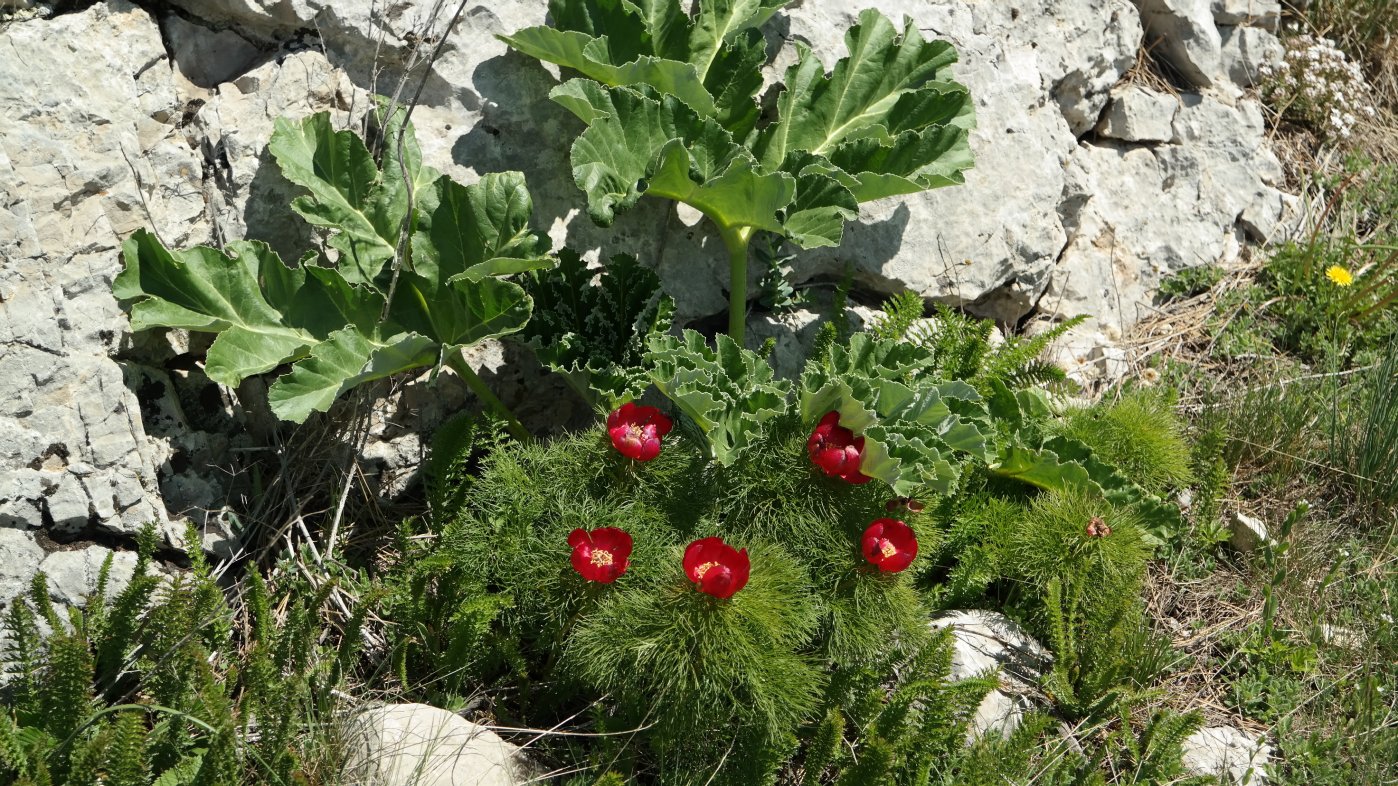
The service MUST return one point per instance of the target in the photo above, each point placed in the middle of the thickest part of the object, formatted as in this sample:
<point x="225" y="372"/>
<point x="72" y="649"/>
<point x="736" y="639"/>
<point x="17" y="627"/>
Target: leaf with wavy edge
<point x="918" y="431"/>
<point x="212" y="291"/>
<point x="1062" y="463"/>
<point x="727" y="392"/>
<point x="593" y="326"/>
<point x="637" y="144"/>
<point x="347" y="359"/>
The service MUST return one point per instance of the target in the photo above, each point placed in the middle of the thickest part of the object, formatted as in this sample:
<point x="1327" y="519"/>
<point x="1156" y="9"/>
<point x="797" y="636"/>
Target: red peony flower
<point x="636" y="430"/>
<point x="836" y="450"/>
<point x="889" y="545"/>
<point x="601" y="554"/>
<point x="718" y="568"/>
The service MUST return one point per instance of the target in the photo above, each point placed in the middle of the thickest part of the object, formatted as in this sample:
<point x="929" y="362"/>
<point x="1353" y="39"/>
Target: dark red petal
<point x="663" y="424"/>
<point x="578" y="537"/>
<point x="694" y="553"/>
<point x="857" y="478"/>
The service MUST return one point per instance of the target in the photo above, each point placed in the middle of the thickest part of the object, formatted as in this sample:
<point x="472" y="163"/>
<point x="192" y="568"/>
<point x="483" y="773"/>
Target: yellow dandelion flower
<point x="1340" y="276"/>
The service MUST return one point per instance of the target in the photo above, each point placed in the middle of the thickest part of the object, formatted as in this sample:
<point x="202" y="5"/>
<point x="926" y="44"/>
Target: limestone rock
<point x="1187" y="36"/>
<point x="1136" y="215"/>
<point x="72" y="575"/>
<point x="987" y="641"/>
<point x="420" y="745"/>
<point x="1136" y="114"/>
<point x="1247" y="533"/>
<point x="1265" y="14"/>
<point x="1227" y="752"/>
<point x="88" y="152"/>
<point x="19" y="561"/>
<point x="208" y="57"/>
<point x="1246" y="50"/>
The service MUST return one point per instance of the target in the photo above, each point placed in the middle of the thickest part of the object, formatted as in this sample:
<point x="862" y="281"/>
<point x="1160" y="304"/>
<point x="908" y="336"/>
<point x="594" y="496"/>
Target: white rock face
<point x="1137" y="114"/>
<point x="1246" y="50"/>
<point x="1226" y="752"/>
<point x="420" y="745"/>
<point x="1188" y="37"/>
<point x="987" y="641"/>
<point x="1136" y="215"/>
<point x="21" y="560"/>
<point x="88" y="153"/>
<point x="1265" y="14"/>
<point x="72" y="575"/>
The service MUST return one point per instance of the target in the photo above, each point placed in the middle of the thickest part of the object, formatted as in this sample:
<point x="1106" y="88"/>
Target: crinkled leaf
<point x="727" y="393"/>
<point x="593" y="58"/>
<point x="348" y="358"/>
<point x="479" y="230"/>
<point x="596" y="333"/>
<point x="884" y="122"/>
<point x="637" y="144"/>
<point x="346" y="192"/>
<point x="1062" y="463"/>
<point x="918" y="430"/>
<point x="208" y="290"/>
<point x="711" y="62"/>
<point x="817" y="112"/>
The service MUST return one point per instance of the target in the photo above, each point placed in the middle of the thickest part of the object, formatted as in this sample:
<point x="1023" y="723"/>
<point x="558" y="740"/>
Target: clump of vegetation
<point x="164" y="682"/>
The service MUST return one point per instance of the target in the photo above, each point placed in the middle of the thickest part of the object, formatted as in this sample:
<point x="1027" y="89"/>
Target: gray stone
<point x="1247" y="533"/>
<point x="20" y="556"/>
<point x="1136" y="114"/>
<point x="1229" y="753"/>
<point x="1246" y="50"/>
<point x="1136" y="215"/>
<point x="72" y="575"/>
<point x="1257" y="13"/>
<point x="421" y="745"/>
<point x="989" y="642"/>
<point x="208" y="57"/>
<point x="1187" y="37"/>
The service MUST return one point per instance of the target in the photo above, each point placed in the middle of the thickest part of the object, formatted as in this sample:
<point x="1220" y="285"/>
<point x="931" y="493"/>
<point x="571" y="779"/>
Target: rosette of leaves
<point x="671" y="106"/>
<point x="919" y="429"/>
<point x="595" y="334"/>
<point x="419" y="274"/>
<point x="727" y="392"/>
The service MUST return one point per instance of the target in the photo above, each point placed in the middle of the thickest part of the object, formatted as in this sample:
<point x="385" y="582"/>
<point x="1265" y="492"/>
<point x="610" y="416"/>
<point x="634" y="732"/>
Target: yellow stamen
<point x="702" y="569"/>
<point x="601" y="558"/>
<point x="887" y="548"/>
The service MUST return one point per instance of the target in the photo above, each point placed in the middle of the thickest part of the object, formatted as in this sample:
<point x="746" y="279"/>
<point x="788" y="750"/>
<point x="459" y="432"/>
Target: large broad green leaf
<point x="727" y="393"/>
<point x="637" y="143"/>
<point x="332" y="323"/>
<point x="711" y="62"/>
<point x="348" y="358"/>
<point x="1062" y="463"/>
<point x="222" y="292"/>
<point x="817" y="111"/>
<point x="593" y="326"/>
<point x="479" y="230"/>
<point x="885" y="122"/>
<point x="365" y="209"/>
<point x="593" y="58"/>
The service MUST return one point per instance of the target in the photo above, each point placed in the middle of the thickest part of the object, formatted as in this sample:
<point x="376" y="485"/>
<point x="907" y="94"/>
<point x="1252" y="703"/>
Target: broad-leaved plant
<point x="671" y="106"/>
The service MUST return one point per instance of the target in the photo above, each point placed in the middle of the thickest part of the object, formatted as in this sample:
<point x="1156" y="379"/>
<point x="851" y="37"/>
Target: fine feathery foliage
<point x="1139" y="434"/>
<point x="375" y="312"/>
<point x="961" y="346"/>
<point x="151" y="685"/>
<point x="672" y="110"/>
